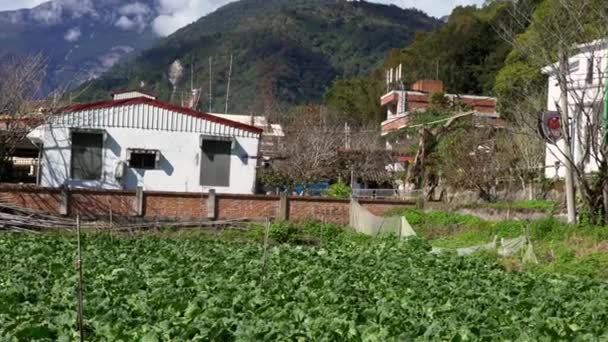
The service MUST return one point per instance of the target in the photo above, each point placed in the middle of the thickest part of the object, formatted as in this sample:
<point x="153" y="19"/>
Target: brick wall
<point x="246" y="207"/>
<point x="101" y="203"/>
<point x="47" y="200"/>
<point x="175" y="205"/>
<point x="330" y="210"/>
<point x="185" y="206"/>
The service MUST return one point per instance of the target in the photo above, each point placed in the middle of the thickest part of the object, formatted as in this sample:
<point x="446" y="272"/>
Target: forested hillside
<point x="285" y="51"/>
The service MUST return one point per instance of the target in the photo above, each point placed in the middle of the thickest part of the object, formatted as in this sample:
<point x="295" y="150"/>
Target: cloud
<point x="9" y="5"/>
<point x="437" y="8"/>
<point x="52" y="12"/>
<point x="175" y="14"/>
<point x="134" y="16"/>
<point x="72" y="35"/>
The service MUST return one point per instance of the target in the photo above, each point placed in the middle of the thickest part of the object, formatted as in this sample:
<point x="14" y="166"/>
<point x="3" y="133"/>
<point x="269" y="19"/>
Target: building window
<point x="144" y="159"/>
<point x="590" y="66"/>
<point x="215" y="162"/>
<point x="87" y="155"/>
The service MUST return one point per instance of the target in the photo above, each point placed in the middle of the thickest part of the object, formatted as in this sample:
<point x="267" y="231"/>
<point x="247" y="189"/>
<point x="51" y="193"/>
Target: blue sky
<point x="179" y="13"/>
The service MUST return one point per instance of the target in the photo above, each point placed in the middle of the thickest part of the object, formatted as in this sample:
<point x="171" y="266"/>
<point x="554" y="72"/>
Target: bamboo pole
<point x="265" y="247"/>
<point x="80" y="282"/>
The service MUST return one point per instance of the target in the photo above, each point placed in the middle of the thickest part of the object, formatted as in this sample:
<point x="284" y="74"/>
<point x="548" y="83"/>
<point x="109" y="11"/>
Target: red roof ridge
<point x="160" y="104"/>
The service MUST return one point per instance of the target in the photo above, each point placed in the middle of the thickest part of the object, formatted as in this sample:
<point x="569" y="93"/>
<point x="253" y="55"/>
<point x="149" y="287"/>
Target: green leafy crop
<point x="151" y="288"/>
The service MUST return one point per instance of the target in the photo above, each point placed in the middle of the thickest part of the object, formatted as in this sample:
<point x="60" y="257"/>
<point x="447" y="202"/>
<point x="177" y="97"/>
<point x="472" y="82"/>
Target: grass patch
<point x="561" y="248"/>
<point x="532" y="205"/>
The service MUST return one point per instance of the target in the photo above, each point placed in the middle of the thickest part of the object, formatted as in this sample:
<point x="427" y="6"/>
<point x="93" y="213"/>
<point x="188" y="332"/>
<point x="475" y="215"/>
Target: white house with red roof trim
<point x="134" y="141"/>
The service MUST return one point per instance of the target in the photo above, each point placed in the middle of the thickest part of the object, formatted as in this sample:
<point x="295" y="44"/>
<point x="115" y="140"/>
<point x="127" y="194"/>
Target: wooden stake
<point x="80" y="283"/>
<point x="265" y="247"/>
<point x="111" y="216"/>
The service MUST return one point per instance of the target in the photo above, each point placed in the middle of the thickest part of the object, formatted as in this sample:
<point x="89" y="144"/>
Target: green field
<point x="201" y="287"/>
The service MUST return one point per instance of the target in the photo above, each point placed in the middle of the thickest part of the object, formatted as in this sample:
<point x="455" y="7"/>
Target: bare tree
<point x="20" y="82"/>
<point x="559" y="30"/>
<point x="476" y="159"/>
<point x="319" y="145"/>
<point x="528" y="151"/>
<point x="309" y="151"/>
<point x="363" y="155"/>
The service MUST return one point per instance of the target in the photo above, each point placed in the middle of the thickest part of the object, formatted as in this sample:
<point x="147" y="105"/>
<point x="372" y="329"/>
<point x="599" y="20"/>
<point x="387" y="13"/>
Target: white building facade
<point x="136" y="141"/>
<point x="586" y="88"/>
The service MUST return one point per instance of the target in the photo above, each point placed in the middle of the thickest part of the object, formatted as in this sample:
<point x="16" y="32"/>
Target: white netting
<point x="364" y="222"/>
<point x="473" y="249"/>
<point x="511" y="246"/>
<point x="367" y="223"/>
<point x="530" y="256"/>
<point x="507" y="247"/>
<point x="467" y="250"/>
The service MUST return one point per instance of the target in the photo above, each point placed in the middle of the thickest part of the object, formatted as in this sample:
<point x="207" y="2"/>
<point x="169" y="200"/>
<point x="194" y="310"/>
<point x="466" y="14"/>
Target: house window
<point x="590" y="66"/>
<point x="144" y="159"/>
<point x="87" y="149"/>
<point x="215" y="162"/>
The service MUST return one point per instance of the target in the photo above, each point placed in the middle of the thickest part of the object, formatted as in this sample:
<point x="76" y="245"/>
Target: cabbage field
<point x="166" y="288"/>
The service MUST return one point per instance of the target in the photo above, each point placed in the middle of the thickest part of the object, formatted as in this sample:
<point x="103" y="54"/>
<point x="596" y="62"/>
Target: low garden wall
<point x="97" y="204"/>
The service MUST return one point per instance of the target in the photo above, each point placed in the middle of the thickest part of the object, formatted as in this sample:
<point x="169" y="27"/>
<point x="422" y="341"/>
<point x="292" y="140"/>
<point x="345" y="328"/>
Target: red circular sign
<point x="550" y="125"/>
<point x="554" y="123"/>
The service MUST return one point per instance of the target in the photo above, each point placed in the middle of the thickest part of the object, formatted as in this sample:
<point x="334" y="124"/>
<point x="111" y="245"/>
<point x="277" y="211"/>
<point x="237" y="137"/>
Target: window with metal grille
<point x="87" y="155"/>
<point x="215" y="162"/>
<point x="144" y="159"/>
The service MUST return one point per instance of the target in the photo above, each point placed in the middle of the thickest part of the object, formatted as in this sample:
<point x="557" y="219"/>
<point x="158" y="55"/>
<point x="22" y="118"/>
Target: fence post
<point x="283" y="214"/>
<point x="212" y="205"/>
<point x="139" y="201"/>
<point x="64" y="205"/>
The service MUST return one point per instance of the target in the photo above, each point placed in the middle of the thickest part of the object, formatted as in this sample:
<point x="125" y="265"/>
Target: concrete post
<point x="139" y="201"/>
<point x="212" y="205"/>
<point x="283" y="210"/>
<point x="64" y="205"/>
<point x="568" y="134"/>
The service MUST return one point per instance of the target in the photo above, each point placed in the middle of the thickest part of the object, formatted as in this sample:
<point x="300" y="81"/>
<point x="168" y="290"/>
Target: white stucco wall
<point x="579" y="89"/>
<point x="179" y="164"/>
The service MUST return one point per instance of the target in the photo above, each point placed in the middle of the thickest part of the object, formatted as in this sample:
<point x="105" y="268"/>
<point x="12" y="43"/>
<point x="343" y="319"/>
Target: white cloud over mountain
<point x="170" y="15"/>
<point x="72" y="35"/>
<point x="175" y="14"/>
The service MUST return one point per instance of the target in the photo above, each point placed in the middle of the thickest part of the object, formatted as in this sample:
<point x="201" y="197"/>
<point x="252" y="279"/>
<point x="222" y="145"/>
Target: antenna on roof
<point x="228" y="86"/>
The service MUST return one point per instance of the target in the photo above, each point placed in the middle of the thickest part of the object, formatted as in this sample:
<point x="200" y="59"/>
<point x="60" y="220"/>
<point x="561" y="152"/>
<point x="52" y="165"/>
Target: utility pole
<point x="228" y="86"/>
<point x="210" y="85"/>
<point x="567" y="134"/>
<point x="192" y="74"/>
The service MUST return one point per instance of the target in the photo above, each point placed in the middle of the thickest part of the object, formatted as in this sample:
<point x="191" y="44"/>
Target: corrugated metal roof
<point x="162" y="105"/>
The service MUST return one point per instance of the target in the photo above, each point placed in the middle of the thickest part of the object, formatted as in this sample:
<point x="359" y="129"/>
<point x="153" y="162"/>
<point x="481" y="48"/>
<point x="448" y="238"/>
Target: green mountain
<point x="285" y="52"/>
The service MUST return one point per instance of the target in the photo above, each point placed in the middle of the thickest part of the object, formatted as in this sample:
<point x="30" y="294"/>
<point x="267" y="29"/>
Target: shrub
<point x="283" y="231"/>
<point x="339" y="190"/>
